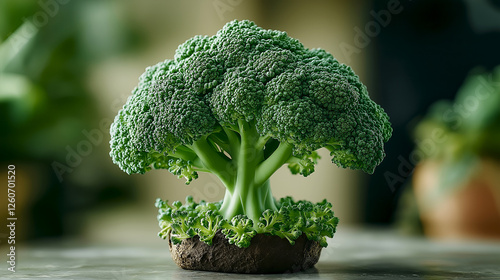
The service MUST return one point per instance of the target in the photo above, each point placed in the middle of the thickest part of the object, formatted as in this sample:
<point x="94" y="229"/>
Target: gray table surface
<point x="351" y="254"/>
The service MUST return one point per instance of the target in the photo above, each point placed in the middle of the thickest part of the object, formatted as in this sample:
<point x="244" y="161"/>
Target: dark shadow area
<point x="421" y="55"/>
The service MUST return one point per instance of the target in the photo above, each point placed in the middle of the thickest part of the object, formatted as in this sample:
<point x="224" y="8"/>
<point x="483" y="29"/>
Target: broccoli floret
<point x="320" y="223"/>
<point x="269" y="221"/>
<point x="182" y="227"/>
<point x="207" y="225"/>
<point x="239" y="231"/>
<point x="316" y="221"/>
<point x="177" y="220"/>
<point x="305" y="165"/>
<point x="275" y="223"/>
<point x="241" y="104"/>
<point x="182" y="168"/>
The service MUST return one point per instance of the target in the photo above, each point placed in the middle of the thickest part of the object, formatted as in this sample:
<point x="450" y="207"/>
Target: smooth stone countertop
<point x="351" y="254"/>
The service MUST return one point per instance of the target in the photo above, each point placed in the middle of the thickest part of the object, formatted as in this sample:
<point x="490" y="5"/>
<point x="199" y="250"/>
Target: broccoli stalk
<point x="240" y="105"/>
<point x="249" y="191"/>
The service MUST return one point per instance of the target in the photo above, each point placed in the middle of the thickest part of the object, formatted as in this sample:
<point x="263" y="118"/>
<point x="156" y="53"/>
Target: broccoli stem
<point x="249" y="201"/>
<point x="279" y="157"/>
<point x="251" y="193"/>
<point x="245" y="172"/>
<point x="216" y="162"/>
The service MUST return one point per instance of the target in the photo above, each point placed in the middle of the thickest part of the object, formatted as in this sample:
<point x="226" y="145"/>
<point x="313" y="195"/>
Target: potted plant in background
<point x="457" y="184"/>
<point x="240" y="105"/>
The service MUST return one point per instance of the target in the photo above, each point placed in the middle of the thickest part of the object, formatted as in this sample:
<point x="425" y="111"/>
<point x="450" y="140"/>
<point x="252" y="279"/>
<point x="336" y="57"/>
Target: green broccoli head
<point x="247" y="100"/>
<point x="296" y="95"/>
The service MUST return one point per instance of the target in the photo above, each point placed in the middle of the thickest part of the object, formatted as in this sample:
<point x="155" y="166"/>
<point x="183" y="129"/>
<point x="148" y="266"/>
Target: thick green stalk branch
<point x="273" y="163"/>
<point x="216" y="162"/>
<point x="262" y="142"/>
<point x="247" y="197"/>
<point x="184" y="153"/>
<point x="234" y="142"/>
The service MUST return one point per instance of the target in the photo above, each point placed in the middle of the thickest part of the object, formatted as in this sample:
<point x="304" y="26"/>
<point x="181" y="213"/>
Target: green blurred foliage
<point x="47" y="50"/>
<point x="45" y="54"/>
<point x="469" y="127"/>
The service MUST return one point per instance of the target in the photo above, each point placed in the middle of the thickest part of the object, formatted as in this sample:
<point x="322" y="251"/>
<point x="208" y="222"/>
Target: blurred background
<point x="67" y="67"/>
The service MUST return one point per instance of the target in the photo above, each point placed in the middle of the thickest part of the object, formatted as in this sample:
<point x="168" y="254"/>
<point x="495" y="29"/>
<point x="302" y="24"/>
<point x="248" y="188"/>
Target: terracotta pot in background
<point x="467" y="211"/>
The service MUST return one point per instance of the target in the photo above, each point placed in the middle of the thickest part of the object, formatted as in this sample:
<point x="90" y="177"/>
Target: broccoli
<point x="239" y="230"/>
<point x="240" y="105"/>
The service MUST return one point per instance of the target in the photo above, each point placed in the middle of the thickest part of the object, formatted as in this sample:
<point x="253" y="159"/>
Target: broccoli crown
<point x="292" y="94"/>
